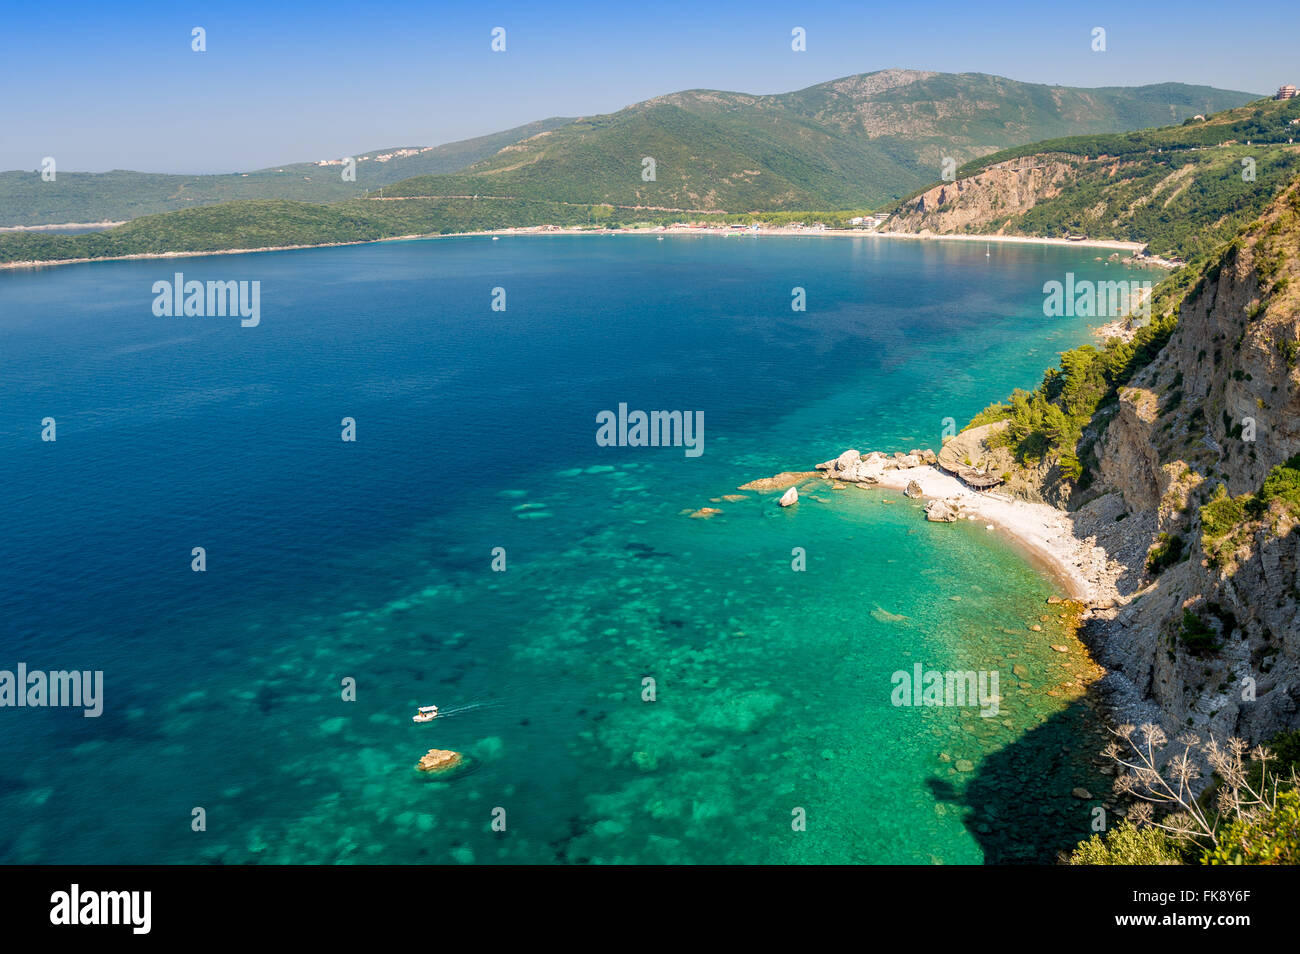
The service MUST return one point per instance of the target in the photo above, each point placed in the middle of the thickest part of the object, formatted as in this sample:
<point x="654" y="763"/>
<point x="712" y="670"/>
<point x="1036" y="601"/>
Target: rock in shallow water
<point x="940" y="511"/>
<point x="789" y="498"/>
<point x="438" y="760"/>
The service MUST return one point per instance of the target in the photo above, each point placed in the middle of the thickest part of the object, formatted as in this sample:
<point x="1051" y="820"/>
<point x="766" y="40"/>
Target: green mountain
<point x="827" y="147"/>
<point x="121" y="195"/>
<point x="1183" y="189"/>
<point x="857" y="141"/>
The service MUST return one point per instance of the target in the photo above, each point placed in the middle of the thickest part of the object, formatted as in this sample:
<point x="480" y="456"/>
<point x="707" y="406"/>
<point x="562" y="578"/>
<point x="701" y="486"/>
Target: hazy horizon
<point x="275" y="86"/>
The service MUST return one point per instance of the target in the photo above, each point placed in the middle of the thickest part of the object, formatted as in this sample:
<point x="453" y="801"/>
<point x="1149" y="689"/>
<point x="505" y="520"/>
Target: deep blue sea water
<point x="371" y="560"/>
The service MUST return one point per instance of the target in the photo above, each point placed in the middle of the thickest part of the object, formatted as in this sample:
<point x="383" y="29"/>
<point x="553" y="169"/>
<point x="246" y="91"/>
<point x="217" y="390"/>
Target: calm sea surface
<point x="372" y="560"/>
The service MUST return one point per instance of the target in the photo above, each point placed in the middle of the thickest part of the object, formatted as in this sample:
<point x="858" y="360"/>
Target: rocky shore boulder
<point x="858" y="468"/>
<point x="847" y="460"/>
<point x="789" y="498"/>
<point x="941" y="511"/>
<point x="439" y="760"/>
<point x="913" y="489"/>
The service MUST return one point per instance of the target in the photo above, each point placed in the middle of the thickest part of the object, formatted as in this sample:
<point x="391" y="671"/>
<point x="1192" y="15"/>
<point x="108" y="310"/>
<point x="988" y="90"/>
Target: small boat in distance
<point x="425" y="714"/>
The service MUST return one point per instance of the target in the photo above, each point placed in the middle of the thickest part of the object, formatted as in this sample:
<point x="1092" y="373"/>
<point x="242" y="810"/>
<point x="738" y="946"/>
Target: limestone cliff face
<point x="1220" y="405"/>
<point x="985" y="201"/>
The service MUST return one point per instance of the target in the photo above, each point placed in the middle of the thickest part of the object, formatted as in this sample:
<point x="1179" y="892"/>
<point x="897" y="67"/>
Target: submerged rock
<point x="438" y="760"/>
<point x="780" y="481"/>
<point x="704" y="513"/>
<point x="884" y="616"/>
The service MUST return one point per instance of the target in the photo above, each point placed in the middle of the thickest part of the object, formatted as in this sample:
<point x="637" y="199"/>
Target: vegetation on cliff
<point x="1248" y="814"/>
<point x="1062" y="421"/>
<point x="1049" y="424"/>
<point x="1229" y="523"/>
<point x="1184" y="190"/>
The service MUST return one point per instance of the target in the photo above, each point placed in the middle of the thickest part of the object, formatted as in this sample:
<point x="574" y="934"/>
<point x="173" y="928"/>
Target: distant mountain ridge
<point x="856" y="141"/>
<point x="120" y="195"/>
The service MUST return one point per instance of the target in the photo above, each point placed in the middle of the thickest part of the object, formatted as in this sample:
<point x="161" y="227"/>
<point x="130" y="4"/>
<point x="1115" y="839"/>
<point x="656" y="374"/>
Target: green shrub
<point x="1167" y="551"/>
<point x="1220" y="518"/>
<point x="1196" y="634"/>
<point x="1269" y="838"/>
<point x="1223" y="516"/>
<point x="1048" y="423"/>
<point x="1286" y="746"/>
<point x="1282" y="483"/>
<point x="1126" y="844"/>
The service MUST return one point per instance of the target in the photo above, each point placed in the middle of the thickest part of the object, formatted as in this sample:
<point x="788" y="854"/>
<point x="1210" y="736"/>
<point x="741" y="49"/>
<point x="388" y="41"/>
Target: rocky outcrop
<point x="942" y="511"/>
<point x="780" y="481"/>
<point x="1128" y="459"/>
<point x="985" y="201"/>
<point x="789" y="498"/>
<point x="439" y="760"/>
<point x="852" y="467"/>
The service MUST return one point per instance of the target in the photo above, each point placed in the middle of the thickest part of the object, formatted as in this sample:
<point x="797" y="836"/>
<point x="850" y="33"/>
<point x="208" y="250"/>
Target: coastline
<point x="1016" y="240"/>
<point x="1043" y="532"/>
<point x="1135" y="247"/>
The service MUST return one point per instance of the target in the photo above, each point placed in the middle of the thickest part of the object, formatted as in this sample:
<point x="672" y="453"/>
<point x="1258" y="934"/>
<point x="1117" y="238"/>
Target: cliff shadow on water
<point x="1023" y="804"/>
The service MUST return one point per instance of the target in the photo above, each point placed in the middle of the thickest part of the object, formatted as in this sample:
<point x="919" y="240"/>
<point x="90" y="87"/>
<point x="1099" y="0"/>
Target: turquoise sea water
<point x="476" y="429"/>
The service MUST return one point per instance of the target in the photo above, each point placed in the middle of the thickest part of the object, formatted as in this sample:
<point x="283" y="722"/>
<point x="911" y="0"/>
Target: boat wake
<point x="468" y="707"/>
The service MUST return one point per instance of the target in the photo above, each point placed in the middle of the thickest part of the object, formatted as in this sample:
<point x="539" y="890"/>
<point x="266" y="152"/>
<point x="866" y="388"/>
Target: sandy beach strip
<point x="534" y="230"/>
<point x="1041" y="529"/>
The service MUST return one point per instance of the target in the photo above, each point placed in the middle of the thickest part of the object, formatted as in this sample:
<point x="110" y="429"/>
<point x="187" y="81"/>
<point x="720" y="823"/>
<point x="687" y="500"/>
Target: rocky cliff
<point x="1207" y="625"/>
<point x="986" y="202"/>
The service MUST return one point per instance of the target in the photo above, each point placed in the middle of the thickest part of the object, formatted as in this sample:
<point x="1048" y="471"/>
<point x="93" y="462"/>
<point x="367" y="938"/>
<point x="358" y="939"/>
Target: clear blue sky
<point x="102" y="86"/>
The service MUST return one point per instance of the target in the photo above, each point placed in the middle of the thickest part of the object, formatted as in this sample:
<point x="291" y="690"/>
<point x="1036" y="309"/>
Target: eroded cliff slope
<point x="1197" y="470"/>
